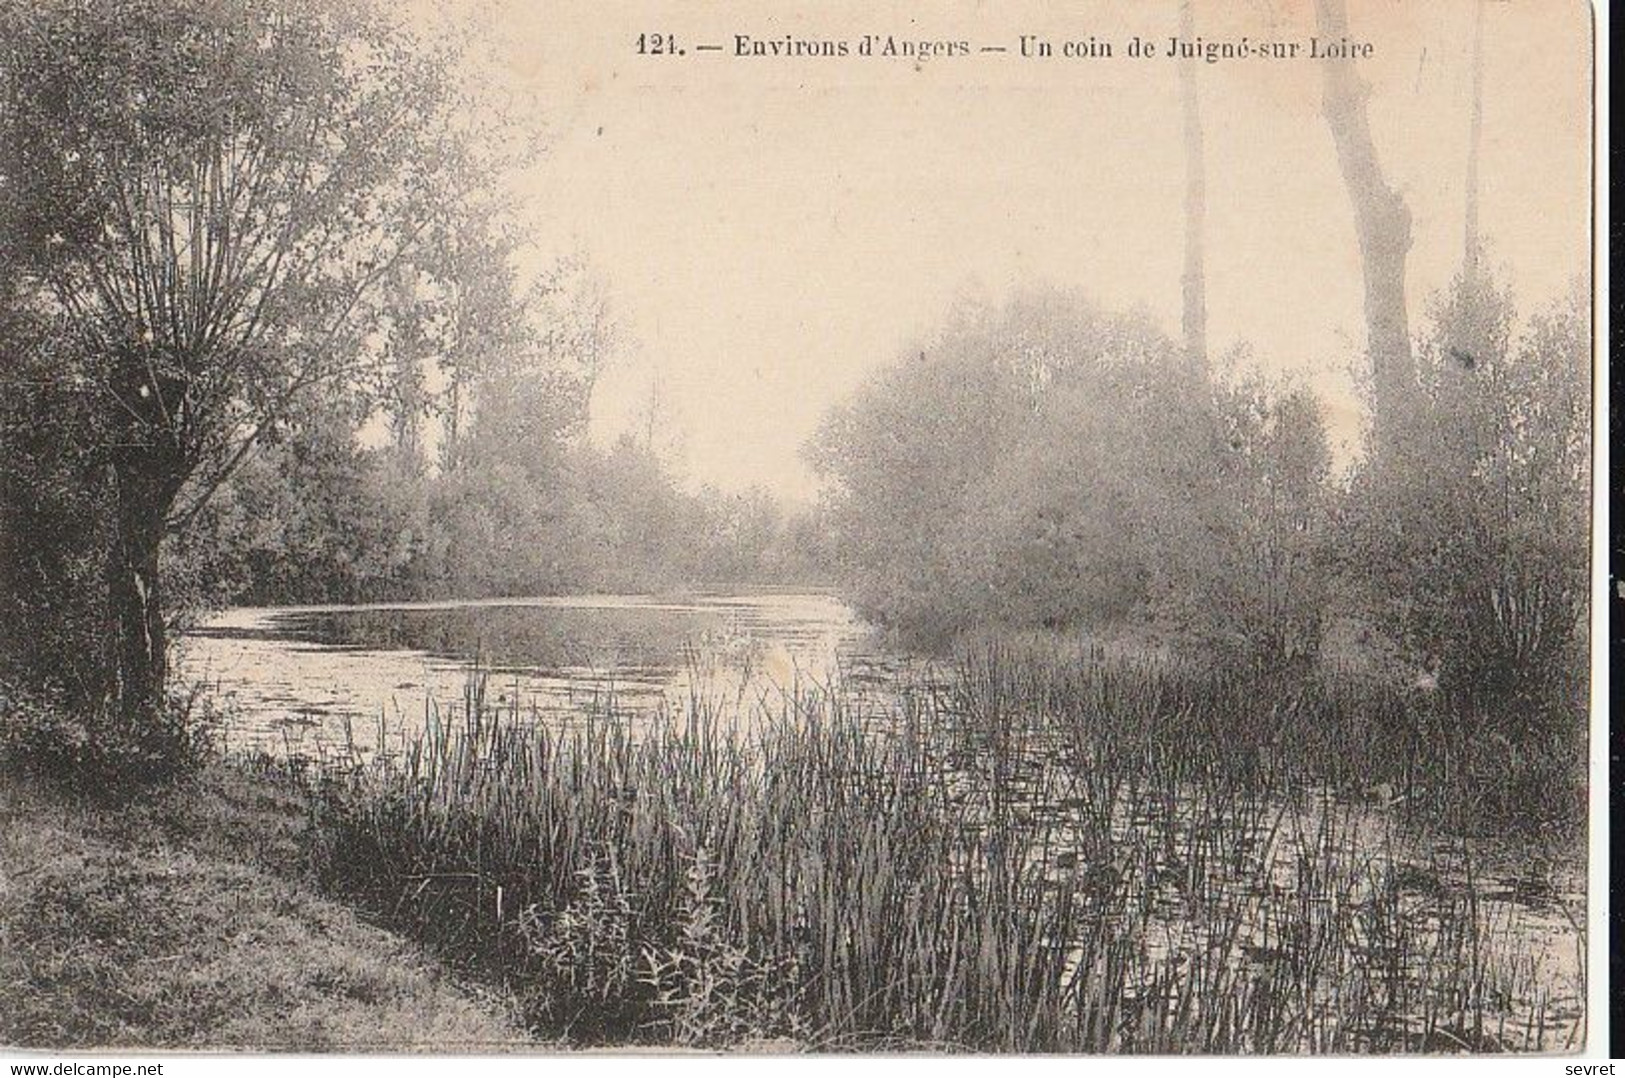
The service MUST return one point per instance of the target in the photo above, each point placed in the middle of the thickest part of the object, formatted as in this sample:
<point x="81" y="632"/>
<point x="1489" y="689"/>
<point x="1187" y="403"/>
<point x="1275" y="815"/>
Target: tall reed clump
<point x="687" y="883"/>
<point x="1015" y="857"/>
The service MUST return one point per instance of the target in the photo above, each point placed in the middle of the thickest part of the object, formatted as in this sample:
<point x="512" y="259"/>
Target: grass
<point x="1021" y="856"/>
<point x="183" y="922"/>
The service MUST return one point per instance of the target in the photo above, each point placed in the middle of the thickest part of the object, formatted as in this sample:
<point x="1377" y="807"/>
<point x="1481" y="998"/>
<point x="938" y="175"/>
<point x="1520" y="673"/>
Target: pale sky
<point x="768" y="232"/>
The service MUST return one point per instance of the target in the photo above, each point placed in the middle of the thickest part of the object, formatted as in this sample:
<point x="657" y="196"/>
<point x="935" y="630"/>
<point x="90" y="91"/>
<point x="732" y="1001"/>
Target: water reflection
<point x="292" y="679"/>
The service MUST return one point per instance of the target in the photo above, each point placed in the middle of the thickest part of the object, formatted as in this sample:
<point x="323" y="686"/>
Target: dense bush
<point x="53" y="506"/>
<point x="1052" y="466"/>
<point x="317" y="517"/>
<point x="95" y="749"/>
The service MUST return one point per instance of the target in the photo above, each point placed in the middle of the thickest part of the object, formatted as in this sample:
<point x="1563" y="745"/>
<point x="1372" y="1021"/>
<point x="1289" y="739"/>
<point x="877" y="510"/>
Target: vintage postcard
<point x="541" y="526"/>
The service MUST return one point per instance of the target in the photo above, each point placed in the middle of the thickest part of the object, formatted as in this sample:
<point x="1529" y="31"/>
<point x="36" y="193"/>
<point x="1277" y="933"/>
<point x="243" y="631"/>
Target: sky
<point x="768" y="232"/>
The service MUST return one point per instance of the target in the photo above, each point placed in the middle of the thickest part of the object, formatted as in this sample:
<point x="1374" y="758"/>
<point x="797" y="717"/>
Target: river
<point x="293" y="679"/>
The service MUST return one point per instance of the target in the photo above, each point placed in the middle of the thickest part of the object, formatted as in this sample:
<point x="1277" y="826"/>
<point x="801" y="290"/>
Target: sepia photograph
<point x="560" y="528"/>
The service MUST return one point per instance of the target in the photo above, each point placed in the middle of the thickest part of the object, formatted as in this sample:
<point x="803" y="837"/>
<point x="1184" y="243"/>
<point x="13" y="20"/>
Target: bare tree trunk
<point x="1381" y="219"/>
<point x="1194" y="282"/>
<point x="1472" y="250"/>
<point x="407" y="419"/>
<point x="454" y="419"/>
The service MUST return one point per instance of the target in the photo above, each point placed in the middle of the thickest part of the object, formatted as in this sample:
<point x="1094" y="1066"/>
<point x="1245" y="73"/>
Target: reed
<point x="1015" y="856"/>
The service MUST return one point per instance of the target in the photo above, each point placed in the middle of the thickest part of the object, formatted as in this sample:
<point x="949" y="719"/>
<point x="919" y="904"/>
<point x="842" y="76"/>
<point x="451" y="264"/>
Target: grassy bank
<point x="185" y="921"/>
<point x="1021" y="856"/>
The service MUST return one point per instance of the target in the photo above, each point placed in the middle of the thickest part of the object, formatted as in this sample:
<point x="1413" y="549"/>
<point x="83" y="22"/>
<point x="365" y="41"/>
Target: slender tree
<point x="1381" y="220"/>
<point x="407" y="346"/>
<point x="1475" y="135"/>
<point x="1194" y="282"/>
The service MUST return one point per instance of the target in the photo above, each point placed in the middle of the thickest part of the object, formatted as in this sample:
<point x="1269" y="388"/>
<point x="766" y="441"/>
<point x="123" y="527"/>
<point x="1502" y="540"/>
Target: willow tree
<point x="212" y="204"/>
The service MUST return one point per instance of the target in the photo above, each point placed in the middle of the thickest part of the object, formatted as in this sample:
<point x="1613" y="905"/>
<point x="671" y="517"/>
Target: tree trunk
<point x="1381" y="220"/>
<point x="146" y="468"/>
<point x="1470" y="254"/>
<point x="1194" y="282"/>
<point x="139" y="657"/>
<point x="409" y="381"/>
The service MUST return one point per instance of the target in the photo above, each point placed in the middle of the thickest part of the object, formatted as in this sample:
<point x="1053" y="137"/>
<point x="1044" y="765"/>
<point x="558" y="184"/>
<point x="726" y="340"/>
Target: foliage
<point x="905" y="453"/>
<point x="1469" y="526"/>
<point x="509" y="497"/>
<point x="311" y="516"/>
<point x="1047" y="466"/>
<point x="586" y="975"/>
<point x="97" y="749"/>
<point x="315" y="517"/>
<point x="211" y="197"/>
<point x="53" y="511"/>
<point x="713" y="991"/>
<point x="1051" y="466"/>
<point x="1244" y="569"/>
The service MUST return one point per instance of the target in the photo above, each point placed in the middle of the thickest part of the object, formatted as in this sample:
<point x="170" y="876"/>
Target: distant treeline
<point x="1051" y="467"/>
<point x="319" y="517"/>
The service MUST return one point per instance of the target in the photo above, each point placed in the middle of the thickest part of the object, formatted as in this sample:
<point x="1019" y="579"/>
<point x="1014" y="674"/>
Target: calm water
<point x="295" y="678"/>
